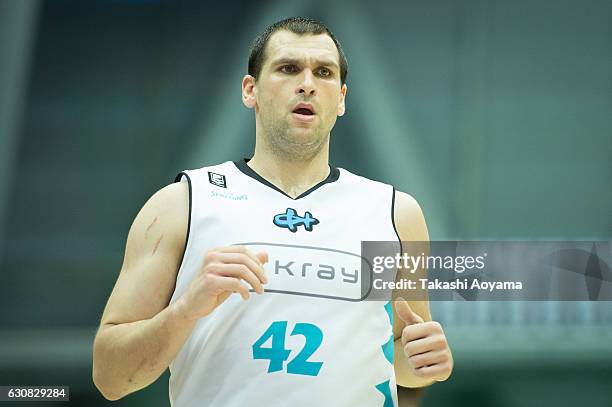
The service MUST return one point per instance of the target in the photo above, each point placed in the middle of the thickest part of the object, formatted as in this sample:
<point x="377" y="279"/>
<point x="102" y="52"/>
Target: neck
<point x="291" y="176"/>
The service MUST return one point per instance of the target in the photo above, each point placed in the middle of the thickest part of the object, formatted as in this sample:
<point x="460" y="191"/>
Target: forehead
<point x="285" y="44"/>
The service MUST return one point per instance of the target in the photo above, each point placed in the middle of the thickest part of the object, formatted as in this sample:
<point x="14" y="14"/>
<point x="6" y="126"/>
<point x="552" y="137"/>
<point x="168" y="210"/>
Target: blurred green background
<point x="495" y="115"/>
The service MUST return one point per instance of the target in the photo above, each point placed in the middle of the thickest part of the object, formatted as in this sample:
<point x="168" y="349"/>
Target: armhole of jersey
<point x="179" y="178"/>
<point x="399" y="239"/>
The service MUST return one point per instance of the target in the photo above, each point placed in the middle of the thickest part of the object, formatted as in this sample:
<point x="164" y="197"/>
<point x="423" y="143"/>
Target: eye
<point x="288" y="69"/>
<point x="324" y="72"/>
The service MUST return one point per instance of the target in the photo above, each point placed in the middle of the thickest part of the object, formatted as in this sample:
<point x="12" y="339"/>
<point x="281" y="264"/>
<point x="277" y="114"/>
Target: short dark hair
<point x="297" y="25"/>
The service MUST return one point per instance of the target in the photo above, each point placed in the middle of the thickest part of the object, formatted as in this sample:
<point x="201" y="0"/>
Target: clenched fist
<point x="225" y="270"/>
<point x="424" y="345"/>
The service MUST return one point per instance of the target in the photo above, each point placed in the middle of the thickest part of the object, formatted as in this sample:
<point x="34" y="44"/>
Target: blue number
<point x="277" y="354"/>
<point x="300" y="364"/>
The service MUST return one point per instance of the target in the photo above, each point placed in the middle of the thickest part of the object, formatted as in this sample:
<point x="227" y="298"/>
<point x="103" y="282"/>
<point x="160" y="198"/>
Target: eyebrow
<point x="296" y="61"/>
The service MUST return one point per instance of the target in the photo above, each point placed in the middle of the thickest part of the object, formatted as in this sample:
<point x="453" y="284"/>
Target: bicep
<point x="153" y="253"/>
<point x="411" y="227"/>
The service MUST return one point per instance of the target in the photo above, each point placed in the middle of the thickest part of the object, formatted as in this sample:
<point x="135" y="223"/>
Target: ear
<point x="341" y="105"/>
<point x="248" y="91"/>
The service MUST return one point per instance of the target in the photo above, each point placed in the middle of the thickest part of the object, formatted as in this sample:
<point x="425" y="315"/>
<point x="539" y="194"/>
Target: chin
<point x="305" y="136"/>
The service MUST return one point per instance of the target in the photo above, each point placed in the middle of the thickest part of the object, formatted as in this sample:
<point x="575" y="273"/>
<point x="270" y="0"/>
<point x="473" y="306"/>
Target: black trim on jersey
<point x="393" y="218"/>
<point x="178" y="179"/>
<point x="398" y="238"/>
<point x="334" y="174"/>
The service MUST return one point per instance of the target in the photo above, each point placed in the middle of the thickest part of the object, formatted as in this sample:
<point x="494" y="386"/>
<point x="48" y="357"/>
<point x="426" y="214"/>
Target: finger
<point x="406" y="314"/>
<point x="416" y="331"/>
<point x="241" y="271"/>
<point x="222" y="297"/>
<point x="262" y="256"/>
<point x="238" y="249"/>
<point x="432" y="372"/>
<point x="422" y="345"/>
<point x="232" y="284"/>
<point x="242" y="258"/>
<point x="423" y="330"/>
<point x="428" y="358"/>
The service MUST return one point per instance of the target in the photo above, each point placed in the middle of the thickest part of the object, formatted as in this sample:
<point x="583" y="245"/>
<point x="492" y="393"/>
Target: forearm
<point x="403" y="374"/>
<point x="128" y="357"/>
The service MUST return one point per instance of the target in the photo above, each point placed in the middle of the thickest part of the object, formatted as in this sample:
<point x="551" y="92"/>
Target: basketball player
<point x="238" y="278"/>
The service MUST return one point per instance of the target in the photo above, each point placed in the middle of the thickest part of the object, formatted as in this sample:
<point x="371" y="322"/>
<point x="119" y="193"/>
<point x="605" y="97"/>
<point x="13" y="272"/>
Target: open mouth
<point x="304" y="111"/>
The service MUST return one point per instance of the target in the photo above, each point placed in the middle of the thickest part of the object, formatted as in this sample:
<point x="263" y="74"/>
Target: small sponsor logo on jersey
<point x="217" y="179"/>
<point x="290" y="220"/>
<point x="229" y="195"/>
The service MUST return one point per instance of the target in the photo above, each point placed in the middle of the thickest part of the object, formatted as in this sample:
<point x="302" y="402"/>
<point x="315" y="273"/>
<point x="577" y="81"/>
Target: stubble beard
<point x="292" y="147"/>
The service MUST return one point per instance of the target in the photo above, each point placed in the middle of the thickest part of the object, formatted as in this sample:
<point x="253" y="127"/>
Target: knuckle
<point x="240" y="257"/>
<point x="243" y="271"/>
<point x="408" y="332"/>
<point x="208" y="282"/>
<point x="436" y="326"/>
<point x="210" y="256"/>
<point x="440" y="342"/>
<point x="213" y="268"/>
<point x="244" y="257"/>
<point x="435" y="341"/>
<point x="212" y="278"/>
<point x="414" y="360"/>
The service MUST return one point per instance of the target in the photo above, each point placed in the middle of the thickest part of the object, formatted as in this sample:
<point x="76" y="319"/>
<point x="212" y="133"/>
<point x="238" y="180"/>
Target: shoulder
<point x="170" y="199"/>
<point x="409" y="219"/>
<point x="360" y="182"/>
<point x="406" y="205"/>
<point x="167" y="210"/>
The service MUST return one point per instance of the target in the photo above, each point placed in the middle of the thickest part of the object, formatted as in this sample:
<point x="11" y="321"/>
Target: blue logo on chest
<point x="291" y="221"/>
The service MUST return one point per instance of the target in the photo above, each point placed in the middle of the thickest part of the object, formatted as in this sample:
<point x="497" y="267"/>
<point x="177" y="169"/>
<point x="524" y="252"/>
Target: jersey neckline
<point x="334" y="174"/>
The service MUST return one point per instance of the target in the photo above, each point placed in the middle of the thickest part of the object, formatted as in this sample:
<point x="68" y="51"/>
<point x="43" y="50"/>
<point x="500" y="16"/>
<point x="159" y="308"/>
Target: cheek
<point x="265" y="103"/>
<point x="333" y="95"/>
<point x="270" y="100"/>
<point x="332" y="105"/>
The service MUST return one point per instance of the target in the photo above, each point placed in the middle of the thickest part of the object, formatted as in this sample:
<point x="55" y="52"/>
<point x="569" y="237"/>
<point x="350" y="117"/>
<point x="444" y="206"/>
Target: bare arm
<point x="140" y="333"/>
<point x="423" y="341"/>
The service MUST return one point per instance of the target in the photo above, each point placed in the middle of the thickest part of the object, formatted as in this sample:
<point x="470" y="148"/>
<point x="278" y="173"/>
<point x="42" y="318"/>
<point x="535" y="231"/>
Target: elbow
<point x="110" y="396"/>
<point x="101" y="376"/>
<point x="107" y="391"/>
<point x="104" y="383"/>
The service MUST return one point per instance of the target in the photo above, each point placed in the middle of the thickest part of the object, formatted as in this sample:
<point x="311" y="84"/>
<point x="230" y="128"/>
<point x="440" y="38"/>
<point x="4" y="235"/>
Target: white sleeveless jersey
<point x="308" y="340"/>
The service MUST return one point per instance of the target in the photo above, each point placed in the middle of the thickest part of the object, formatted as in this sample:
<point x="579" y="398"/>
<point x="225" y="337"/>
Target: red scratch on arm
<point x="157" y="244"/>
<point x="150" y="226"/>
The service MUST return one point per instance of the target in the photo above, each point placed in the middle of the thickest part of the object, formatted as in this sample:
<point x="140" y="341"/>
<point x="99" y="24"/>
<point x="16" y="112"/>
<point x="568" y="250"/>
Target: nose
<point x="307" y="83"/>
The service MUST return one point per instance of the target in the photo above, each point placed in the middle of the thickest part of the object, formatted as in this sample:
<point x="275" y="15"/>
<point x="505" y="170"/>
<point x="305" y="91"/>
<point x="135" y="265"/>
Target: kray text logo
<point x="291" y="221"/>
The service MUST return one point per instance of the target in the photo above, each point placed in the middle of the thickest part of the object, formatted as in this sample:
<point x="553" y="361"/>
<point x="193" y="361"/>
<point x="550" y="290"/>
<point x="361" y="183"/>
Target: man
<point x="284" y="220"/>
